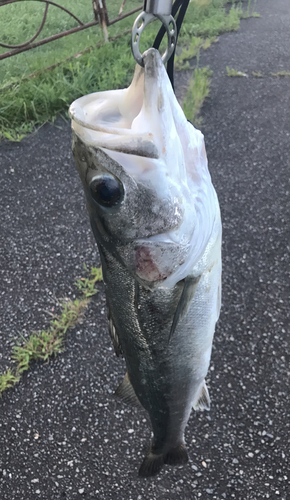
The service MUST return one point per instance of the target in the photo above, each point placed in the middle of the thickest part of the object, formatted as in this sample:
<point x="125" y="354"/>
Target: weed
<point x="8" y="380"/>
<point x="209" y="19"/>
<point x="248" y="9"/>
<point x="41" y="346"/>
<point x="87" y="285"/>
<point x="187" y="53"/>
<point x="233" y="72"/>
<point x="248" y="14"/>
<point x="198" y="90"/>
<point x="281" y="73"/>
<point x="181" y="61"/>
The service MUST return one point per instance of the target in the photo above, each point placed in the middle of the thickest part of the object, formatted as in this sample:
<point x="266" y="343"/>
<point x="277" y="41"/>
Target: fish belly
<point x="167" y="372"/>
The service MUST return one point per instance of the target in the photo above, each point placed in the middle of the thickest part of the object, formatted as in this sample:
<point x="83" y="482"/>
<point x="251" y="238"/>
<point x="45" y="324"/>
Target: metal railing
<point x="100" y="17"/>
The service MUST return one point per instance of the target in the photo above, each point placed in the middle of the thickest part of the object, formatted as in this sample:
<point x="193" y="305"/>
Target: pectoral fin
<point x="190" y="286"/>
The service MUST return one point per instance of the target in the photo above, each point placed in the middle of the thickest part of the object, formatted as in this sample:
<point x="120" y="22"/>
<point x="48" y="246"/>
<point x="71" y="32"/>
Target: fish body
<point x="156" y="219"/>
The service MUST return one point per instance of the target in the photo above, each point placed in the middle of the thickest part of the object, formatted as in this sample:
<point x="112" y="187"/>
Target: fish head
<point x="122" y="209"/>
<point x="144" y="168"/>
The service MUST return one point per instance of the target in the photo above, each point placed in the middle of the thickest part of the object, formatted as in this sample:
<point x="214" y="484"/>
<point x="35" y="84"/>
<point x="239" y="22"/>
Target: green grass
<point x="234" y="72"/>
<point x="30" y="103"/>
<point x="208" y="18"/>
<point x="8" y="380"/>
<point x="42" y="346"/>
<point x="88" y="285"/>
<point x="256" y="74"/>
<point x="197" y="43"/>
<point x="250" y="10"/>
<point x="281" y="73"/>
<point x="198" y="90"/>
<point x="19" y="22"/>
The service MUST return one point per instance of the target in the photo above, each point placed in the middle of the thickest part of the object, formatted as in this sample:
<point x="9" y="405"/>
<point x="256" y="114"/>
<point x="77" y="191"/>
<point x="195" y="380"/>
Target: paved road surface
<point x="63" y="435"/>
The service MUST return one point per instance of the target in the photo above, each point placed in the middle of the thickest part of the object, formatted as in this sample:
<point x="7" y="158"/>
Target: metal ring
<point x="141" y="22"/>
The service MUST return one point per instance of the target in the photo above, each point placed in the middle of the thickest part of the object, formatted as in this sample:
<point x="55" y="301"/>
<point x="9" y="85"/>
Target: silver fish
<point x="156" y="219"/>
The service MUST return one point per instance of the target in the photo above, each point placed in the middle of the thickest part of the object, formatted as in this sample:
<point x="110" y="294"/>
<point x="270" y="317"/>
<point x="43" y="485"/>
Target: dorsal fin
<point x="203" y="402"/>
<point x="126" y="392"/>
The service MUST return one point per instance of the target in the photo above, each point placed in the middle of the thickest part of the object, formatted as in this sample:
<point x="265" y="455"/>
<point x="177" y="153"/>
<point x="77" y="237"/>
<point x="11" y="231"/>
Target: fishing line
<point x="178" y="4"/>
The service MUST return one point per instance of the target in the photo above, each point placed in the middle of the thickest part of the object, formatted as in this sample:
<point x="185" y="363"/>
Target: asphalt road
<point x="62" y="433"/>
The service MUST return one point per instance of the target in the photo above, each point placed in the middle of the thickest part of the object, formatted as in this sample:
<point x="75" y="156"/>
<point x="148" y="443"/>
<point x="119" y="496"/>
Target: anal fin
<point x="203" y="402"/>
<point x="126" y="392"/>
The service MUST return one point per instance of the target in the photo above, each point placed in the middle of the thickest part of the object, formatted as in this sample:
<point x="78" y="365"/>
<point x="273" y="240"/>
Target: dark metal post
<point x="122" y="7"/>
<point x="101" y="15"/>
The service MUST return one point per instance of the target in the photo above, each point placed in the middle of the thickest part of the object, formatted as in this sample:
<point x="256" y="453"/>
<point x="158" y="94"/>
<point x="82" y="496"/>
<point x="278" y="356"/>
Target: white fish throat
<point x="144" y="129"/>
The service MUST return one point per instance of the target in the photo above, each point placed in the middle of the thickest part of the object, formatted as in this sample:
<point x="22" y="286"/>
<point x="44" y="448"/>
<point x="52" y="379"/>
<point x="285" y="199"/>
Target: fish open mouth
<point x="143" y="121"/>
<point x="105" y="119"/>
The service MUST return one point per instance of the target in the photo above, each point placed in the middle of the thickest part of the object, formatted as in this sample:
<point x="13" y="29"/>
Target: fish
<point x="156" y="219"/>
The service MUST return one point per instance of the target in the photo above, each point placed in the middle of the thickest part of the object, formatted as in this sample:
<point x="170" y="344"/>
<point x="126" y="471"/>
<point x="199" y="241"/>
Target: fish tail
<point x="153" y="462"/>
<point x="177" y="456"/>
<point x="151" y="465"/>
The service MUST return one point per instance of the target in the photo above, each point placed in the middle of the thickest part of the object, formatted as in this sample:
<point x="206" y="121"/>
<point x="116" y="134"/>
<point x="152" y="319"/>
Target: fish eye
<point x="106" y="190"/>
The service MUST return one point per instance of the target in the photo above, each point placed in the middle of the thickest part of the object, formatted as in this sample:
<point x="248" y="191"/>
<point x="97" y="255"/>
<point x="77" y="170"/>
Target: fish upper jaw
<point x="145" y="121"/>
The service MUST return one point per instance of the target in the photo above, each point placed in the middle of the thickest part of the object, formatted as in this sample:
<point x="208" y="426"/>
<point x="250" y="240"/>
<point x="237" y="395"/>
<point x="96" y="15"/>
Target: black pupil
<point x="106" y="191"/>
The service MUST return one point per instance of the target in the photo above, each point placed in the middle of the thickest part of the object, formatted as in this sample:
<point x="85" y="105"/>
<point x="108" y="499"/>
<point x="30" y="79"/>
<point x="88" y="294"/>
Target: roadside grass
<point x="181" y="62"/>
<point x="250" y="12"/>
<point x="197" y="91"/>
<point x="209" y="18"/>
<point x="88" y="285"/>
<point x="42" y="346"/>
<point x="30" y="103"/>
<point x="256" y="74"/>
<point x="281" y="73"/>
<point x="234" y="72"/>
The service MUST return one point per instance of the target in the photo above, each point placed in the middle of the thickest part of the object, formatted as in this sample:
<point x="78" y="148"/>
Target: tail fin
<point x="177" y="456"/>
<point x="151" y="465"/>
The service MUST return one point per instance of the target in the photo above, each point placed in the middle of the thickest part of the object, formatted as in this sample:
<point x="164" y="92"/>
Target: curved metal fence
<point x="100" y="17"/>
